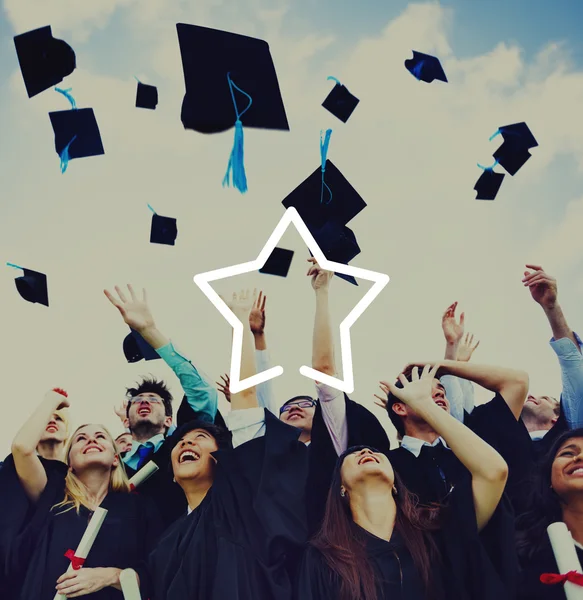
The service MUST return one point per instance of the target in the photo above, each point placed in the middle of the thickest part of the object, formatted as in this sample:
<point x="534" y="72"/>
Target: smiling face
<point x="147" y="411"/>
<point x="124" y="443"/>
<point x="192" y="457"/>
<point x="364" y="466"/>
<point x="542" y="411"/>
<point x="56" y="429"/>
<point x="297" y="415"/>
<point x="92" y="447"/>
<point x="409" y="418"/>
<point x="567" y="469"/>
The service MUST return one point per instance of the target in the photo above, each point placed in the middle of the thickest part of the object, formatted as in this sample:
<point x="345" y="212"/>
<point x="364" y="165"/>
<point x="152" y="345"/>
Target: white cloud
<point x="410" y="149"/>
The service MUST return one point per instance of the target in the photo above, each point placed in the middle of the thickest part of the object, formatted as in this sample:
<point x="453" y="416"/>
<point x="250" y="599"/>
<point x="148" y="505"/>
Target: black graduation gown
<point x="463" y="570"/>
<point x="36" y="557"/>
<point x="160" y="487"/>
<point x="543" y="562"/>
<point x="363" y="429"/>
<point x="243" y="541"/>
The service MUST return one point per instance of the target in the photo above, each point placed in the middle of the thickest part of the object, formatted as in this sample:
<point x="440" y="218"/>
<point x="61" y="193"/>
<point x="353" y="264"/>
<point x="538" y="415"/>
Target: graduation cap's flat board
<point x="278" y="263"/>
<point x="340" y="102"/>
<point x="44" y="60"/>
<point x="488" y="185"/>
<point x="337" y="242"/>
<point x="316" y="209"/>
<point x="425" y="67"/>
<point x="518" y="134"/>
<point x="78" y="123"/>
<point x="32" y="287"/>
<point x="163" y="231"/>
<point x="146" y="96"/>
<point x="135" y="348"/>
<point x="512" y="156"/>
<point x="208" y="56"/>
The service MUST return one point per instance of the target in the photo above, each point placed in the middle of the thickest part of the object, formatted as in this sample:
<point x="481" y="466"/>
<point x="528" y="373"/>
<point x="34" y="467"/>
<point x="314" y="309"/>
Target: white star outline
<point x="291" y="215"/>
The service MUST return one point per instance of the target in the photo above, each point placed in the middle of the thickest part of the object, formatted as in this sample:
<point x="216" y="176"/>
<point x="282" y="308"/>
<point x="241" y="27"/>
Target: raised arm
<point x="565" y="343"/>
<point x="29" y="468"/>
<point x="465" y="351"/>
<point x="453" y="332"/>
<point x="488" y="469"/>
<point x="200" y="394"/>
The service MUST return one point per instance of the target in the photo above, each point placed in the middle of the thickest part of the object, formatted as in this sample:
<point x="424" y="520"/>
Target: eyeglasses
<point x="308" y="403"/>
<point x="149" y="399"/>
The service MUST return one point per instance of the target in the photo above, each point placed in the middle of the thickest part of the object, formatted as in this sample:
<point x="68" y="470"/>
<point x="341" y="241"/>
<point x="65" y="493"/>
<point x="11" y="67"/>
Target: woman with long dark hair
<point x="377" y="543"/>
<point x="51" y="508"/>
<point x="557" y="495"/>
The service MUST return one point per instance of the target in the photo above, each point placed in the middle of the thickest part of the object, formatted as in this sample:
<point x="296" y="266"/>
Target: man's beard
<point x="146" y="429"/>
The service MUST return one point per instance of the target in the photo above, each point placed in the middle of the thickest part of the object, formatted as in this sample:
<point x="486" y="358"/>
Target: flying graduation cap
<point x="135" y="348"/>
<point x="32" y="286"/>
<point x="278" y="263"/>
<point x="489" y="183"/>
<point x="230" y="80"/>
<point x="146" y="96"/>
<point x="513" y="153"/>
<point x="163" y="230"/>
<point x="425" y="67"/>
<point x="44" y="60"/>
<point x="76" y="132"/>
<point x="340" y="102"/>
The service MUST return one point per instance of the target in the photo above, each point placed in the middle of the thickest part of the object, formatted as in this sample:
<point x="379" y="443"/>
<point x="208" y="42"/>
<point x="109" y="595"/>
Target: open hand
<point x="452" y="330"/>
<point x="121" y="410"/>
<point x="58" y="395"/>
<point x="416" y="391"/>
<point x="241" y="304"/>
<point x="134" y="311"/>
<point x="74" y="584"/>
<point x="466" y="349"/>
<point x="382" y="400"/>
<point x="320" y="277"/>
<point x="543" y="287"/>
<point x="257" y="315"/>
<point x="224" y="387"/>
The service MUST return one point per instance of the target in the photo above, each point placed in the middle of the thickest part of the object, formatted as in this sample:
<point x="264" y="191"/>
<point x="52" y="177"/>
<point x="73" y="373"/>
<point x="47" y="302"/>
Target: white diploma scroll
<point x="129" y="585"/>
<point x="566" y="557"/>
<point x="143" y="474"/>
<point x="87" y="540"/>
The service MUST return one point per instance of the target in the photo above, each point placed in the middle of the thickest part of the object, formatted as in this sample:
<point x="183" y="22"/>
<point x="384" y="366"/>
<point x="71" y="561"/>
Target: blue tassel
<point x="323" y="155"/>
<point x="236" y="166"/>
<point x="235" y="174"/>
<point x="68" y="96"/>
<point x="334" y="79"/>
<point x="13" y="266"/>
<point x="488" y="168"/>
<point x="417" y="69"/>
<point x="497" y="132"/>
<point x="65" y="155"/>
<point x="151" y="209"/>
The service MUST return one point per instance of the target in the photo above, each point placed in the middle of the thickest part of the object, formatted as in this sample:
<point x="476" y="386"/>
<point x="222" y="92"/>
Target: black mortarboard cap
<point x="146" y="96"/>
<point x="337" y="242"/>
<point x="78" y="123"/>
<point x="425" y="67"/>
<point x="32" y="287"/>
<point x="340" y="102"/>
<point x="511" y="156"/>
<point x="313" y="202"/>
<point x="278" y="262"/>
<point x="488" y="185"/>
<point x="208" y="56"/>
<point x="163" y="231"/>
<point x="518" y="134"/>
<point x="44" y="60"/>
<point x="136" y="348"/>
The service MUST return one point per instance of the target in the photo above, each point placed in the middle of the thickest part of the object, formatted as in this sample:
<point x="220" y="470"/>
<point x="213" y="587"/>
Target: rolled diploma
<point x="144" y="473"/>
<point x="566" y="557"/>
<point x="87" y="540"/>
<point x="129" y="585"/>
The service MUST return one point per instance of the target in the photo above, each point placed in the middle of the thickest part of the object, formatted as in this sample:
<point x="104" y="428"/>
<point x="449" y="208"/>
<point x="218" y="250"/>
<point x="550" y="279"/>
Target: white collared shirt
<point x="535" y="436"/>
<point x="414" y="445"/>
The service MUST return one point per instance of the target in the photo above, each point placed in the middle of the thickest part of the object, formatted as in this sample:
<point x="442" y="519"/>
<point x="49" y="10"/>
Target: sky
<point x="410" y="150"/>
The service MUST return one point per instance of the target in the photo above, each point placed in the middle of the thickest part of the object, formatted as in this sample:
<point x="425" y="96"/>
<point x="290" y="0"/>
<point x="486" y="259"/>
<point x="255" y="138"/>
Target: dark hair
<point x="222" y="436"/>
<point x="396" y="419"/>
<point x="343" y="544"/>
<point x="544" y="505"/>
<point x="151" y="386"/>
<point x="301" y="397"/>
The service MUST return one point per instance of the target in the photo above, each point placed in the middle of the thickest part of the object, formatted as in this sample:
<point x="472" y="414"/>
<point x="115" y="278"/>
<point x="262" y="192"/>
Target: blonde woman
<point x="59" y="505"/>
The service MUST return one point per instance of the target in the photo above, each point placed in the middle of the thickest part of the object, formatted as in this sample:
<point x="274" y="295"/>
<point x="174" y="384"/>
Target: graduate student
<point x="54" y="439"/>
<point x="557" y="496"/>
<point x="58" y="506"/>
<point x="149" y="408"/>
<point x="377" y="543"/>
<point x="245" y="522"/>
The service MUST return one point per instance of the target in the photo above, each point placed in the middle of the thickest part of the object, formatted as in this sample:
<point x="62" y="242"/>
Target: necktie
<point x="144" y="452"/>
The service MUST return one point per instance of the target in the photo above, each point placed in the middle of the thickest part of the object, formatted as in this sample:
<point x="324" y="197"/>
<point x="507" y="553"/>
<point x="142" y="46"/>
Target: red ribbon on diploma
<point x="554" y="578"/>
<point x="76" y="562"/>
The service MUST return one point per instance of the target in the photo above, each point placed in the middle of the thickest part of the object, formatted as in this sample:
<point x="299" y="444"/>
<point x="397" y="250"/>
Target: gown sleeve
<point x="315" y="581"/>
